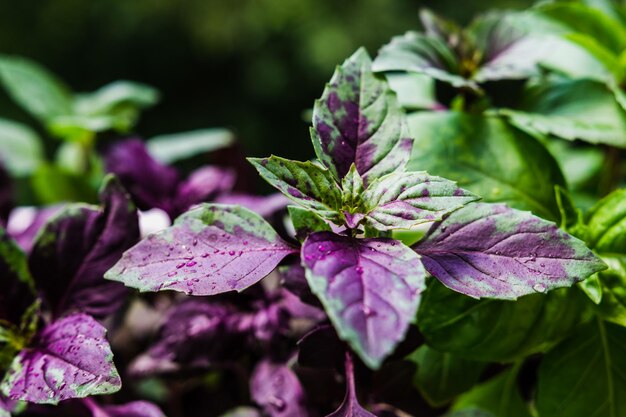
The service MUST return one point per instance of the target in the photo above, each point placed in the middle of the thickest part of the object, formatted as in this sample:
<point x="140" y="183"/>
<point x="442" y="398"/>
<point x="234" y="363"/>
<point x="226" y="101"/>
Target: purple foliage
<point x="488" y="250"/>
<point x="131" y="409"/>
<point x="70" y="358"/>
<point x="78" y="246"/>
<point x="358" y="120"/>
<point x="151" y="183"/>
<point x="25" y="222"/>
<point x="370" y="289"/>
<point x="195" y="335"/>
<point x="350" y="406"/>
<point x="209" y="250"/>
<point x="155" y="185"/>
<point x="276" y="389"/>
<point x="203" y="184"/>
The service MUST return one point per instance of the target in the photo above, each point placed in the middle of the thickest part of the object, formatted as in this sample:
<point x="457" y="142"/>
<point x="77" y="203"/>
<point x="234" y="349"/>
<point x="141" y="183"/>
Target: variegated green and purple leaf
<point x="209" y="250"/>
<point x="370" y="289"/>
<point x="6" y="407"/>
<point x="493" y="251"/>
<point x="77" y="246"/>
<point x="406" y="199"/>
<point x="358" y="120"/>
<point x="71" y="358"/>
<point x="306" y="183"/>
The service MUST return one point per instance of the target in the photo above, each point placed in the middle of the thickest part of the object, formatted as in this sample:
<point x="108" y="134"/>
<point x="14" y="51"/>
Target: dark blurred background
<point x="250" y="65"/>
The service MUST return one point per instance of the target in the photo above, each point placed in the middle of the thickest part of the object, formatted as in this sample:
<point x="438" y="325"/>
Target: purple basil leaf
<point x="194" y="335"/>
<point x="208" y="250"/>
<point x="263" y="206"/>
<point x="25" y="222"/>
<point x="70" y="358"/>
<point x="149" y="182"/>
<point x="491" y="250"/>
<point x="370" y="289"/>
<point x="203" y="185"/>
<point x="306" y="183"/>
<point x="350" y="406"/>
<point x="16" y="285"/>
<point x="132" y="409"/>
<point x="276" y="389"/>
<point x="77" y="246"/>
<point x="358" y="120"/>
<point x="199" y="333"/>
<point x="402" y="200"/>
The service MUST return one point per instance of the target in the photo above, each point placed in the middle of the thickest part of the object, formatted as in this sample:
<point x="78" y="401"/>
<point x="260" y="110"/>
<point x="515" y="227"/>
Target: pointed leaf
<point x="209" y="250"/>
<point x="77" y="246"/>
<point x="358" y="120"/>
<point x="352" y="188"/>
<point x="370" y="289"/>
<point x="403" y="200"/>
<point x="584" y="375"/>
<point x="491" y="250"/>
<point x="71" y="359"/>
<point x="306" y="183"/>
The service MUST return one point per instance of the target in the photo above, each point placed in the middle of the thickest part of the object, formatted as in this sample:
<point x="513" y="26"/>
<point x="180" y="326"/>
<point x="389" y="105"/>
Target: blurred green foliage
<point x="250" y="65"/>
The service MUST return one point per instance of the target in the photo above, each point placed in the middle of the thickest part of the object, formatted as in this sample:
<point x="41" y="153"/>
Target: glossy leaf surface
<point x="370" y="288"/>
<point x="208" y="250"/>
<point x="71" y="359"/>
<point x="493" y="251"/>
<point x="358" y="120"/>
